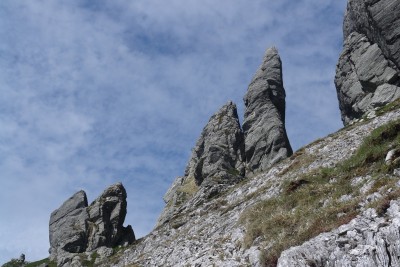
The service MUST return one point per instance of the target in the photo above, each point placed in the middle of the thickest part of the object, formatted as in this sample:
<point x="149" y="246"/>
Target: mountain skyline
<point x="113" y="91"/>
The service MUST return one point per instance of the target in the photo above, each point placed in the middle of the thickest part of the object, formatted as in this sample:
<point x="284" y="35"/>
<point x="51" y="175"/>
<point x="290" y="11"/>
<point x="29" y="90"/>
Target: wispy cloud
<point x="95" y="92"/>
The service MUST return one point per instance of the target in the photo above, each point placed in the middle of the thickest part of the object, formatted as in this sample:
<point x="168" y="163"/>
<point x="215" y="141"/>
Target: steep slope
<point x="219" y="231"/>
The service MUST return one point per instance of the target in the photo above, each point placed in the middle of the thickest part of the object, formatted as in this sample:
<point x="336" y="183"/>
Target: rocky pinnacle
<point x="219" y="152"/>
<point x="76" y="227"/>
<point x="266" y="141"/>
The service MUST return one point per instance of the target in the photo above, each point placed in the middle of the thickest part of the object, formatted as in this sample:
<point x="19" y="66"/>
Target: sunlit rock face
<point x="76" y="227"/>
<point x="367" y="74"/>
<point x="266" y="141"/>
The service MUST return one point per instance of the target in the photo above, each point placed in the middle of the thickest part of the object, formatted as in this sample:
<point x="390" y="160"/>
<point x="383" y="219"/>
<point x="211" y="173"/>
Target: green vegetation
<point x="389" y="107"/>
<point x="18" y="263"/>
<point x="12" y="263"/>
<point x="312" y="204"/>
<point x="37" y="263"/>
<point x="90" y="262"/>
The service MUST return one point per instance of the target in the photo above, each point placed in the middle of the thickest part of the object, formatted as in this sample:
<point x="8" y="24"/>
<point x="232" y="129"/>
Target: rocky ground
<point x="212" y="233"/>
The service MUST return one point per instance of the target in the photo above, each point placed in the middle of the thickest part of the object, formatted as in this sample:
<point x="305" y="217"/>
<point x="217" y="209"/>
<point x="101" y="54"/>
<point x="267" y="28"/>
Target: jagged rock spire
<point x="266" y="141"/>
<point x="219" y="152"/>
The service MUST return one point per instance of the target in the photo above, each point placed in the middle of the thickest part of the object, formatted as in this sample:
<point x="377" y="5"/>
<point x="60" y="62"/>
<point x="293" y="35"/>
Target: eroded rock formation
<point x="76" y="227"/>
<point x="217" y="159"/>
<point x="266" y="141"/>
<point x="218" y="156"/>
<point x="367" y="74"/>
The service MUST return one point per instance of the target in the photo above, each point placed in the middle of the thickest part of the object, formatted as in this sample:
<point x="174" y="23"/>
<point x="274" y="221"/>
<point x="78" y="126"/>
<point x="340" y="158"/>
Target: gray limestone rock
<point x="364" y="79"/>
<point x="266" y="141"/>
<point x="68" y="225"/>
<point x="218" y="156"/>
<point x="107" y="214"/>
<point x="367" y="73"/>
<point x="369" y="240"/>
<point x="217" y="159"/>
<point x="76" y="227"/>
<point x="379" y="20"/>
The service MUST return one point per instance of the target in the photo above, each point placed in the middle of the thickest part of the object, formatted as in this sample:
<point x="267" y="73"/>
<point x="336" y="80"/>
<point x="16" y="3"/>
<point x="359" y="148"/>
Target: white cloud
<point x="95" y="92"/>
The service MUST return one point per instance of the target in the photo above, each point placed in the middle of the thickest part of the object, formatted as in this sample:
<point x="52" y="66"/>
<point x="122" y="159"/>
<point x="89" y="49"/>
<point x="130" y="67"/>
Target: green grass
<point x="16" y="263"/>
<point x="301" y="212"/>
<point x="90" y="263"/>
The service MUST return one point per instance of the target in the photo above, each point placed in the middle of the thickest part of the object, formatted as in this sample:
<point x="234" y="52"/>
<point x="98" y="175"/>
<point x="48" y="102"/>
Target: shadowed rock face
<point x="266" y="141"/>
<point x="216" y="160"/>
<point x="76" y="227"/>
<point x="367" y="74"/>
<point x="219" y="152"/>
<point x="107" y="215"/>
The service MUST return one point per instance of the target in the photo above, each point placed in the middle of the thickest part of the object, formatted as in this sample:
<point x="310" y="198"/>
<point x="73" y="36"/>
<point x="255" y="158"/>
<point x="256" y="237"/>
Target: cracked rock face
<point x="379" y="20"/>
<point x="218" y="156"/>
<point x="266" y="141"/>
<point x="76" y="227"/>
<point x="217" y="160"/>
<point x="68" y="225"/>
<point x="107" y="215"/>
<point x="367" y="74"/>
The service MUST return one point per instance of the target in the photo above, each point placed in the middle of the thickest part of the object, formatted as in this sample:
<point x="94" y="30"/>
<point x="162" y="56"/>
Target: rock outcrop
<point x="68" y="225"/>
<point x="76" y="227"/>
<point x="218" y="156"/>
<point x="369" y="240"/>
<point x="266" y="141"/>
<point x="367" y="74"/>
<point x="225" y="154"/>
<point x="106" y="217"/>
<point x="217" y="159"/>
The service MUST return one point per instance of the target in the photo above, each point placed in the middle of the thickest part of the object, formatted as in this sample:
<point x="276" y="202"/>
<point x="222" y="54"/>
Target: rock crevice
<point x="76" y="227"/>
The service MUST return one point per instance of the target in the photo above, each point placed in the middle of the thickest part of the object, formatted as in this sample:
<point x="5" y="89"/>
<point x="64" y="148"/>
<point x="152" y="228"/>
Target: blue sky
<point x="95" y="92"/>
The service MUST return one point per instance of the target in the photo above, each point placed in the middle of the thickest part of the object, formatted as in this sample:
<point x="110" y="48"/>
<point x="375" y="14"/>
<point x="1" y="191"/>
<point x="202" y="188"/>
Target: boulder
<point x="218" y="156"/>
<point x="266" y="141"/>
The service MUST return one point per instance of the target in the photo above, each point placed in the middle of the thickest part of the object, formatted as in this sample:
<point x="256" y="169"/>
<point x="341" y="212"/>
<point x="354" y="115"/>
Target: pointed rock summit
<point x="225" y="154"/>
<point x="266" y="141"/>
<point x="367" y="74"/>
<point x="76" y="227"/>
<point x="218" y="156"/>
<point x="217" y="159"/>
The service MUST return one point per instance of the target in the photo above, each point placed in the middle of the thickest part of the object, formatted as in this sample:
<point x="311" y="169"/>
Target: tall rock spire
<point x="266" y="141"/>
